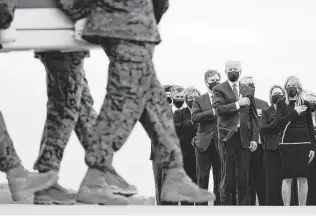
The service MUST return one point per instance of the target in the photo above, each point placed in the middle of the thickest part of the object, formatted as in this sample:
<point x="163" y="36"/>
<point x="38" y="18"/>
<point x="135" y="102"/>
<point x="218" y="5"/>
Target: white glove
<point x="79" y="27"/>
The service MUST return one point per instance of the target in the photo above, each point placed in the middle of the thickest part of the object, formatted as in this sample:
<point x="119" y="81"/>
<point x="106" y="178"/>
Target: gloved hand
<point x="79" y="27"/>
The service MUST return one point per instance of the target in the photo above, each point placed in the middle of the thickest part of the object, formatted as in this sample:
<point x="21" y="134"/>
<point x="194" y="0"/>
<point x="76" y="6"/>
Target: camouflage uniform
<point x="7" y="8"/>
<point x="69" y="106"/>
<point x="22" y="183"/>
<point x="8" y="156"/>
<point x="127" y="31"/>
<point x="133" y="91"/>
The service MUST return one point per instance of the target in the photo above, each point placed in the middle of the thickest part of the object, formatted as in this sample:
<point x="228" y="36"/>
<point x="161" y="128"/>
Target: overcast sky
<point x="272" y="38"/>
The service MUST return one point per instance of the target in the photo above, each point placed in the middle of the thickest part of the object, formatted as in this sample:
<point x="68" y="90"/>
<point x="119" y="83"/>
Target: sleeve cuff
<point x="237" y="105"/>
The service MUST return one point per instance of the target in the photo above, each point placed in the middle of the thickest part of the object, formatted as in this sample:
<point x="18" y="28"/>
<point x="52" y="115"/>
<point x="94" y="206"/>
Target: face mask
<point x="233" y="76"/>
<point x="292" y="91"/>
<point x="212" y="85"/>
<point x="169" y="100"/>
<point x="189" y="103"/>
<point x="276" y="97"/>
<point x="178" y="103"/>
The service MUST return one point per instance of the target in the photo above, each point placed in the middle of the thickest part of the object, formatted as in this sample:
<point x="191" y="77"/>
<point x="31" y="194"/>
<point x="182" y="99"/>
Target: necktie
<point x="235" y="91"/>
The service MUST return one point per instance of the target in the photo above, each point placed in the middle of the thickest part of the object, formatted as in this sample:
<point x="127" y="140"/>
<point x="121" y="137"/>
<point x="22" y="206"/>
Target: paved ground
<point x="152" y="210"/>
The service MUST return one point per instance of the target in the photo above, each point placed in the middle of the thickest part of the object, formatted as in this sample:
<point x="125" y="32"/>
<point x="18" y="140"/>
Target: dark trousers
<point x="204" y="162"/>
<point x="257" y="178"/>
<point x="157" y="170"/>
<point x="230" y="152"/>
<point x="234" y="180"/>
<point x="272" y="161"/>
<point x="311" y="197"/>
<point x="189" y="165"/>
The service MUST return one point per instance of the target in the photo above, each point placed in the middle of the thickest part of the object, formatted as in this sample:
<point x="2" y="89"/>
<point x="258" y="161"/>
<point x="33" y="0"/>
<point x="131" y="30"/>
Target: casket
<point x="41" y="26"/>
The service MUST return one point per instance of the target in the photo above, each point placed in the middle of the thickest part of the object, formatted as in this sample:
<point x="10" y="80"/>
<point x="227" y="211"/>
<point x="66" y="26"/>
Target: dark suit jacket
<point x="229" y="116"/>
<point x="286" y="114"/>
<point x="260" y="104"/>
<point x="203" y="115"/>
<point x="124" y="19"/>
<point x="186" y="131"/>
<point x="271" y="136"/>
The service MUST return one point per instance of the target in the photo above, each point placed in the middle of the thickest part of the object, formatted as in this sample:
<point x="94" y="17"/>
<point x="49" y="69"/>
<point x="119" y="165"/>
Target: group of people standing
<point x="251" y="147"/>
<point x="127" y="31"/>
<point x="256" y="151"/>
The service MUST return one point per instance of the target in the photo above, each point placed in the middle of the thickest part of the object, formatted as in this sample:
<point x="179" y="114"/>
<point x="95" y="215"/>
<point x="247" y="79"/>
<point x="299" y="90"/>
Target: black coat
<point x="186" y="131"/>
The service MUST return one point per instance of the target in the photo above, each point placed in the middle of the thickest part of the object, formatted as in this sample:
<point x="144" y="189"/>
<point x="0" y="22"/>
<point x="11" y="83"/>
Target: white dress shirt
<point x="210" y="94"/>
<point x="174" y="108"/>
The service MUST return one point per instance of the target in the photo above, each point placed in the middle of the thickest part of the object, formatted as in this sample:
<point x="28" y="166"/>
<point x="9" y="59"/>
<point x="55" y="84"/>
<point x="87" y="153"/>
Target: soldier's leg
<point x="130" y="75"/>
<point x="84" y="127"/>
<point x="22" y="183"/>
<point x="64" y="89"/>
<point x="128" y="81"/>
<point x="158" y="122"/>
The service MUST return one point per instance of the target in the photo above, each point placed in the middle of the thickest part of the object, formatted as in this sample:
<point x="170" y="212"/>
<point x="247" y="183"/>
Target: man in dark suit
<point x="235" y="106"/>
<point x="206" y="139"/>
<point x="257" y="172"/>
<point x="177" y="96"/>
<point x="186" y="131"/>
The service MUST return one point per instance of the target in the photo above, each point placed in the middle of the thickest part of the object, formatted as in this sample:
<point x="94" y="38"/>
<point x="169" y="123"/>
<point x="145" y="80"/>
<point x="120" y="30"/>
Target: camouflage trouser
<point x="69" y="107"/>
<point x="7" y="8"/>
<point x="8" y="156"/>
<point x="133" y="93"/>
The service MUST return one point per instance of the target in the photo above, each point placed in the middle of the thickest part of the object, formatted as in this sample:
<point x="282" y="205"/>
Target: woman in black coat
<point x="297" y="146"/>
<point x="270" y="134"/>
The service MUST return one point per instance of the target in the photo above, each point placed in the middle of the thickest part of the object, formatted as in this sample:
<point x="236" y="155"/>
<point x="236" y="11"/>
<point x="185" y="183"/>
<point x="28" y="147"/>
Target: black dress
<point x="298" y="138"/>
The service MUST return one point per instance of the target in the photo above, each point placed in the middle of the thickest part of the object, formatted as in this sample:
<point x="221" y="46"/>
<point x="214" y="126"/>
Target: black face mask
<point x="292" y="91"/>
<point x="169" y="100"/>
<point x="276" y="97"/>
<point x="233" y="76"/>
<point x="212" y="85"/>
<point x="189" y="103"/>
<point x="178" y="103"/>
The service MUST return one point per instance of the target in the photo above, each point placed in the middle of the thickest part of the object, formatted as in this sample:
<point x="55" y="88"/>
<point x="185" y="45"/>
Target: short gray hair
<point x="191" y="91"/>
<point x="245" y="78"/>
<point x="210" y="73"/>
